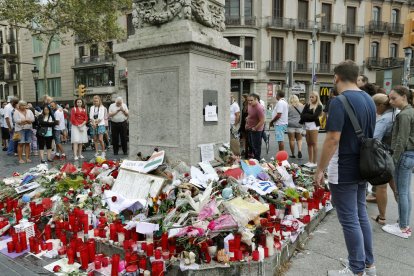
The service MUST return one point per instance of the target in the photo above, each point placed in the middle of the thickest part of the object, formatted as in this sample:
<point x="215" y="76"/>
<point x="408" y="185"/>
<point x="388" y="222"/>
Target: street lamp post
<point x="35" y="73"/>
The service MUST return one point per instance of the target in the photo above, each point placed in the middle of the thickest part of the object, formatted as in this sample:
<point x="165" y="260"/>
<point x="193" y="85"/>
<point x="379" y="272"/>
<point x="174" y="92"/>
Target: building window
<point x="54" y="64"/>
<point x="248" y="48"/>
<point x="81" y="51"/>
<point x="278" y="8"/>
<point x="234" y="40"/>
<point x="302" y="55"/>
<point x="351" y="17"/>
<point x="395" y="16"/>
<point x="350" y="51"/>
<point x="15" y="90"/>
<point x="376" y="14"/>
<point x="232" y="8"/>
<point x="327" y="18"/>
<point x="303" y="12"/>
<point x="277" y="49"/>
<point x="109" y="48"/>
<point x="12" y="48"/>
<point x="325" y="53"/>
<point x="95" y="77"/>
<point x="37" y="45"/>
<point x="393" y="50"/>
<point x="374" y="49"/>
<point x="130" y="26"/>
<point x="55" y="44"/>
<point x="94" y="50"/>
<point x="248" y="8"/>
<point x="54" y="87"/>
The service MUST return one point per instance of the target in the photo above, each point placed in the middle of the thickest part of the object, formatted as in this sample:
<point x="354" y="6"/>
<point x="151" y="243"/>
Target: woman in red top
<point x="78" y="119"/>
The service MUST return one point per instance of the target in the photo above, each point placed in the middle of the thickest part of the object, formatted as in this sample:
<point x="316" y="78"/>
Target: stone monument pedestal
<point x="174" y="71"/>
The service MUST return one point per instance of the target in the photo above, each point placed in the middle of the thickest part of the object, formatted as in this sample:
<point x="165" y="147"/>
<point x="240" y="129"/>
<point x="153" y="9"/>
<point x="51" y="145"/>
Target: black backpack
<point x="375" y="165"/>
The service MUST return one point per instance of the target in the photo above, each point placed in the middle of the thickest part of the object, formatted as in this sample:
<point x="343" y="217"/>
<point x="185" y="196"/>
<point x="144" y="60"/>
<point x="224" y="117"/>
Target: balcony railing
<point x="243" y="65"/>
<point x="377" y="27"/>
<point x="281" y="22"/>
<point x="325" y="68"/>
<point x="275" y="66"/>
<point x="333" y="28"/>
<point x="302" y="67"/>
<point x="94" y="59"/>
<point x="353" y="30"/>
<point x="395" y="29"/>
<point x="10" y="77"/>
<point x="307" y="25"/>
<point x="320" y="68"/>
<point x="374" y="62"/>
<point x="233" y="21"/>
<point x="250" y="21"/>
<point x="390" y="62"/>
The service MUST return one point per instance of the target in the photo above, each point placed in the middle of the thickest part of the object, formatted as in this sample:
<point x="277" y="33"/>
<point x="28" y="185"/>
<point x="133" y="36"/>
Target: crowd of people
<point x="28" y="131"/>
<point x="388" y="118"/>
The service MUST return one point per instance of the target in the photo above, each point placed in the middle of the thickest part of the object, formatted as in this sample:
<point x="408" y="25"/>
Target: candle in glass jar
<point x="164" y="241"/>
<point x="158" y="268"/>
<point x="112" y="232"/>
<point x="48" y="232"/>
<point x="105" y="261"/>
<point x="23" y="240"/>
<point x="150" y="249"/>
<point x="10" y="247"/>
<point x="115" y="264"/>
<point x="84" y="257"/>
<point x="71" y="255"/>
<point x="18" y="214"/>
<point x="91" y="249"/>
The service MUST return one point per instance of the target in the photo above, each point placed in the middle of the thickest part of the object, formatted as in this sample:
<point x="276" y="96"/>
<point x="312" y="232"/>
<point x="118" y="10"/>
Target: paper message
<point x="207" y="152"/>
<point x="151" y="164"/>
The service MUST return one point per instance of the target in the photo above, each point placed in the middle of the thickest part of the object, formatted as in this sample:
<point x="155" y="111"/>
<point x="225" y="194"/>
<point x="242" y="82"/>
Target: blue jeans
<point x="11" y="147"/>
<point x="349" y="200"/>
<point x="255" y="143"/>
<point x="403" y="173"/>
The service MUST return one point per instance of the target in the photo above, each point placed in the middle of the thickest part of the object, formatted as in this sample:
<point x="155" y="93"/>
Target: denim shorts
<point x="25" y="136"/>
<point x="98" y="130"/>
<point x="56" y="136"/>
<point x="280" y="132"/>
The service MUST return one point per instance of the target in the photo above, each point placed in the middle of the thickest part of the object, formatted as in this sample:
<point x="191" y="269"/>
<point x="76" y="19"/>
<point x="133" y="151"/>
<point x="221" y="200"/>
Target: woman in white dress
<point x="78" y="119"/>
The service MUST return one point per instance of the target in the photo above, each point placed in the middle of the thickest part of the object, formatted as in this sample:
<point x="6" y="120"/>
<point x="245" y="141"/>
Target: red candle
<point x="63" y="238"/>
<point x="238" y="255"/>
<point x="72" y="222"/>
<point x="49" y="246"/>
<point x="115" y="264"/>
<point x="91" y="249"/>
<point x="112" y="232"/>
<point x="266" y="252"/>
<point x="150" y="249"/>
<point x="231" y="246"/>
<point x="18" y="213"/>
<point x="43" y="245"/>
<point x="158" y="268"/>
<point x="132" y="269"/>
<point x="23" y="240"/>
<point x="32" y="206"/>
<point x="142" y="264"/>
<point x="36" y="246"/>
<point x="48" y="232"/>
<point x="84" y="257"/>
<point x="128" y="257"/>
<point x="96" y="232"/>
<point x="71" y="255"/>
<point x="85" y="223"/>
<point x="98" y="264"/>
<point x="144" y="246"/>
<point x="105" y="261"/>
<point x="164" y="241"/>
<point x="237" y="240"/>
<point x="10" y="246"/>
<point x="272" y="210"/>
<point x="18" y="247"/>
<point x="62" y="251"/>
<point x="15" y="238"/>
<point x="157" y="254"/>
<point x="31" y="244"/>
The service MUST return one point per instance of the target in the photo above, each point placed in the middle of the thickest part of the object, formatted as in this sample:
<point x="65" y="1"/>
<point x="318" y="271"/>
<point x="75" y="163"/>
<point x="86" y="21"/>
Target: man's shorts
<point x="56" y="136"/>
<point x="5" y="133"/>
<point x="280" y="132"/>
<point x="295" y="130"/>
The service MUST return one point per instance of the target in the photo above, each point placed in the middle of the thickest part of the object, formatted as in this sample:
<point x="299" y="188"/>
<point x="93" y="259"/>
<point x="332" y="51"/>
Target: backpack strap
<point x="352" y="117"/>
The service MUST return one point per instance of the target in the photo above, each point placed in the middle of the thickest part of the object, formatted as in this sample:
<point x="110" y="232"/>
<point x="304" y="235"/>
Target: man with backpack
<point x="341" y="156"/>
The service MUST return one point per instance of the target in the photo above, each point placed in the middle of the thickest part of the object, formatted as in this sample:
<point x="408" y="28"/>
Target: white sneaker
<point x="81" y="156"/>
<point x="307" y="164"/>
<point x="313" y="165"/>
<point x="344" y="272"/>
<point x="75" y="158"/>
<point x="103" y="154"/>
<point x="395" y="230"/>
<point x="369" y="271"/>
<point x="97" y="154"/>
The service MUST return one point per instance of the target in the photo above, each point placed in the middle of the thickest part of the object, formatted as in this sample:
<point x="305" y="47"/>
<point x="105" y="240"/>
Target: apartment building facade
<point x="9" y="61"/>
<point x="72" y="62"/>
<point x="278" y="33"/>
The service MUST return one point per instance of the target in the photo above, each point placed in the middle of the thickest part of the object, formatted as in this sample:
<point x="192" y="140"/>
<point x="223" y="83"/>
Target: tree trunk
<point x="45" y="63"/>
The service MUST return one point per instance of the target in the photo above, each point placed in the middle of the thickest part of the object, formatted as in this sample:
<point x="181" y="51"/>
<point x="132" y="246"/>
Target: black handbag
<point x="375" y="165"/>
<point x="42" y="131"/>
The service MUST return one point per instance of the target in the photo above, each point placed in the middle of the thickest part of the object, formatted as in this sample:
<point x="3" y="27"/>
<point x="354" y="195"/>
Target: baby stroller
<point x="90" y="144"/>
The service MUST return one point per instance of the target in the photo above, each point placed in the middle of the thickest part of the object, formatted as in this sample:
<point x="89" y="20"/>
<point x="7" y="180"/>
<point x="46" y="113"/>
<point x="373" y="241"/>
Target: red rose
<point x="90" y="194"/>
<point x="102" y="213"/>
<point x="65" y="199"/>
<point x="186" y="175"/>
<point x="114" y="198"/>
<point x="57" y="268"/>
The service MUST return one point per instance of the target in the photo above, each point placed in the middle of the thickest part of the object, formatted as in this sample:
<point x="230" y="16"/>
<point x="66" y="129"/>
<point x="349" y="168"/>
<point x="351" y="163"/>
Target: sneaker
<point x="307" y="164"/>
<point x="103" y="154"/>
<point x="96" y="154"/>
<point x="395" y="230"/>
<point x="407" y="231"/>
<point x="81" y="156"/>
<point x="4" y="149"/>
<point x="75" y="158"/>
<point x="35" y="153"/>
<point x="344" y="272"/>
<point x="299" y="154"/>
<point x="369" y="271"/>
<point x="43" y="161"/>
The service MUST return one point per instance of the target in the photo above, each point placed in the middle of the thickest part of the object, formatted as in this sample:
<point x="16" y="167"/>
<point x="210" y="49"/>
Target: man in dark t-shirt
<point x="341" y="155"/>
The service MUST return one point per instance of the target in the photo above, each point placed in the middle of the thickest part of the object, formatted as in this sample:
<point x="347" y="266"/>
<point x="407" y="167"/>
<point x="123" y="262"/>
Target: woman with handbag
<point x="78" y="120"/>
<point x="295" y="129"/>
<point x="402" y="144"/>
<point x="23" y="119"/>
<point x="310" y="118"/>
<point x="46" y="122"/>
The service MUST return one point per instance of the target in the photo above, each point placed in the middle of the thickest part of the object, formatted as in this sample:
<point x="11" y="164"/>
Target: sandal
<point x="22" y="161"/>
<point x="379" y="220"/>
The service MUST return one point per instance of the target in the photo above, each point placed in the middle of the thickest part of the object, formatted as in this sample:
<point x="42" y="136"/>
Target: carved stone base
<point x="168" y="74"/>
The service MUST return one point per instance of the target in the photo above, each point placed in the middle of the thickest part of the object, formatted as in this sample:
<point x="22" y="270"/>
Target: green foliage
<point x="291" y="193"/>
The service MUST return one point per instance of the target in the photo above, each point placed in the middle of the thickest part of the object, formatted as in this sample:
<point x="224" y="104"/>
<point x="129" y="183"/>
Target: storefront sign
<point x="324" y="91"/>
<point x="298" y="88"/>
<point x="270" y="90"/>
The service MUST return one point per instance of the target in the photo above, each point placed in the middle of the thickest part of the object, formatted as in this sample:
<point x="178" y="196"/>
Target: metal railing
<point x="325" y="27"/>
<point x="302" y="24"/>
<point x="233" y="21"/>
<point x="374" y="62"/>
<point x="377" y="27"/>
<point x="353" y="30"/>
<point x="395" y="28"/>
<point x="250" y="21"/>
<point x="276" y="66"/>
<point x="94" y="59"/>
<point x="302" y="67"/>
<point x="281" y="22"/>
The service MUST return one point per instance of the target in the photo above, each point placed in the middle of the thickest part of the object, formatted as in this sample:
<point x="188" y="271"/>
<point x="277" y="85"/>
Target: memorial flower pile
<point x="144" y="216"/>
